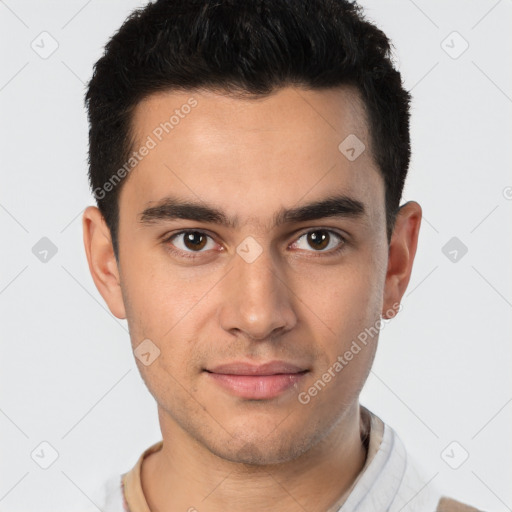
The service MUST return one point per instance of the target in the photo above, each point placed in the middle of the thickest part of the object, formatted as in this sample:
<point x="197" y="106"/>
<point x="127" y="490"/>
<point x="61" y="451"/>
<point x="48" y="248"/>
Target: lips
<point x="270" y="368"/>
<point x="256" y="382"/>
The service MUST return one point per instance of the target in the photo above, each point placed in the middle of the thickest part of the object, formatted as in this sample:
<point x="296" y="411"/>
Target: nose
<point x="256" y="298"/>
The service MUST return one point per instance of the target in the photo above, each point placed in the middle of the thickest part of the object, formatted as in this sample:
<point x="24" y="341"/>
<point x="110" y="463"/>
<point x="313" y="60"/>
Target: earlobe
<point x="402" y="250"/>
<point x="101" y="260"/>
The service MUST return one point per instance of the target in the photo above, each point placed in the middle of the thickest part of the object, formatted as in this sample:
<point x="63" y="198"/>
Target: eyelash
<point x="196" y="254"/>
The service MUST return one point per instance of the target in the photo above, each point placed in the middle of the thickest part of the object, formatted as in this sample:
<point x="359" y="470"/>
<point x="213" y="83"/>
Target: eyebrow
<point x="171" y="208"/>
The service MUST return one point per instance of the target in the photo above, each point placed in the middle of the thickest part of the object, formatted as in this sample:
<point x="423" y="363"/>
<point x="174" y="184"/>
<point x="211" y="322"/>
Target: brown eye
<point x="194" y="240"/>
<point x="191" y="241"/>
<point x="320" y="240"/>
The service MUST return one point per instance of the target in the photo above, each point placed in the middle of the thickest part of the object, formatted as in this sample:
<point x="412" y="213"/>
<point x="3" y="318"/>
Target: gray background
<point x="442" y="372"/>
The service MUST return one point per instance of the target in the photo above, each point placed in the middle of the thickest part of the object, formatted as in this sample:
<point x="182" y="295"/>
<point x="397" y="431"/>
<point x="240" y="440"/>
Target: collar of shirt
<point x="389" y="480"/>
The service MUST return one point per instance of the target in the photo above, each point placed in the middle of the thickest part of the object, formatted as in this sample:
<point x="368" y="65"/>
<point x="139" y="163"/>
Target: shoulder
<point x="451" y="505"/>
<point x="398" y="480"/>
<point x="109" y="495"/>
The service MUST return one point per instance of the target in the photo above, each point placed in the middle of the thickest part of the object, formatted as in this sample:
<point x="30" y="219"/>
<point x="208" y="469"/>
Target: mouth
<point x="256" y="382"/>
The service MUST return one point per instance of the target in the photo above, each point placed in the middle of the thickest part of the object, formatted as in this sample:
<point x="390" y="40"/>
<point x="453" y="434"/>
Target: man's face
<point x="253" y="291"/>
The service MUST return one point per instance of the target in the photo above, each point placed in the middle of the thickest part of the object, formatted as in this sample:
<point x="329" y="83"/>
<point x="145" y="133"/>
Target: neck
<point x="185" y="475"/>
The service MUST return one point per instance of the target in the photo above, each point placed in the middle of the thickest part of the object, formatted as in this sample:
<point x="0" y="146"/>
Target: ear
<point x="102" y="262"/>
<point x="402" y="250"/>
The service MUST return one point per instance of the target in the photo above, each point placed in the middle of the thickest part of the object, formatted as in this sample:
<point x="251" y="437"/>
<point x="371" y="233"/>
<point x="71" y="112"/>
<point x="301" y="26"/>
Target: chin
<point x="258" y="448"/>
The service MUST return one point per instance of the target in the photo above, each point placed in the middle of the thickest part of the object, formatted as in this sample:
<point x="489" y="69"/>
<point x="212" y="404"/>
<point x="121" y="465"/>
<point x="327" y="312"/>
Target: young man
<point x="248" y="160"/>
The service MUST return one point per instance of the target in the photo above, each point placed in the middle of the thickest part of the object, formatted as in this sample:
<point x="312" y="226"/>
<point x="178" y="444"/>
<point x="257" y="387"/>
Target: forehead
<point x="295" y="112"/>
<point x="253" y="156"/>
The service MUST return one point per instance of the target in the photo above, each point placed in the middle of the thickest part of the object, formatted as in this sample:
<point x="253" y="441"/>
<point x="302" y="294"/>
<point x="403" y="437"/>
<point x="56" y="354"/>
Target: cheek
<point x="343" y="300"/>
<point x="167" y="309"/>
<point x="346" y="340"/>
<point x="160" y="300"/>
